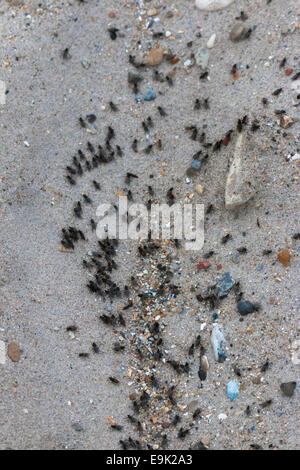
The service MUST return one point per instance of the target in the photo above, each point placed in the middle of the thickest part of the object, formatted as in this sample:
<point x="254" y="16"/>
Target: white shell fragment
<point x="211" y="42"/>
<point x="212" y="5"/>
<point x="238" y="191"/>
<point x="217" y="342"/>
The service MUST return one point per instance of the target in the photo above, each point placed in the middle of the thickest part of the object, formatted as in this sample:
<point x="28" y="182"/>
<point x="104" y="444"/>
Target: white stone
<point x="2" y="352"/>
<point x="212" y="5"/>
<point x="199" y="189"/>
<point x="211" y="42"/>
<point x="222" y="416"/>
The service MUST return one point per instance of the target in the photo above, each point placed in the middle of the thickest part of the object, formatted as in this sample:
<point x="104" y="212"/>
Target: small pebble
<point x="77" y="427"/>
<point x="152" y="12"/>
<point x="222" y="416"/>
<point x="13" y="351"/>
<point x="284" y="257"/>
<point x="225" y="283"/>
<point x="203" y="265"/>
<point x="245" y="307"/>
<point x="235" y="258"/>
<point x="155" y="56"/>
<point x="199" y="189"/>
<point x="202" y="57"/>
<point x="237" y="33"/>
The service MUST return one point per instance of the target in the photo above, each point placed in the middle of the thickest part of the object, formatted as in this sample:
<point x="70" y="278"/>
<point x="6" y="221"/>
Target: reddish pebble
<point x="219" y="266"/>
<point x="112" y="14"/>
<point x="284" y="257"/>
<point x="203" y="265"/>
<point x="288" y="72"/>
<point x="165" y="425"/>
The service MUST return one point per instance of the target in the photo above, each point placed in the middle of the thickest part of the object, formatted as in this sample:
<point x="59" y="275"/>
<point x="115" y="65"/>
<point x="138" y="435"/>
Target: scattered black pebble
<point x="245" y="307"/>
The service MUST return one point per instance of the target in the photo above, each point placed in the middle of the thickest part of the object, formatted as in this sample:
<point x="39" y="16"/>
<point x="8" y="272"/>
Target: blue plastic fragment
<point x="196" y="164"/>
<point x="225" y="283"/>
<point x="233" y="388"/>
<point x="150" y="95"/>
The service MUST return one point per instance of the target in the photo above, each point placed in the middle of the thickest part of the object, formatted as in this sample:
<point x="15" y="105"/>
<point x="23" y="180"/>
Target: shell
<point x="212" y="5"/>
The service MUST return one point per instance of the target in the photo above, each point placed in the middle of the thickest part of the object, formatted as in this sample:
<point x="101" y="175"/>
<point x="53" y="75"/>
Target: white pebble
<point x="222" y="416"/>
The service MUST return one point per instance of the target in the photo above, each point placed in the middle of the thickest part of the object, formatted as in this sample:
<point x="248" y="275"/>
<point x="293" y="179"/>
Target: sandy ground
<point x="43" y="290"/>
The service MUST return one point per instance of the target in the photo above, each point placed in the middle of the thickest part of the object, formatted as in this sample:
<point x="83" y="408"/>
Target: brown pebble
<point x="155" y="56"/>
<point x="132" y="396"/>
<point x="152" y="12"/>
<point x="112" y="14"/>
<point x="257" y="380"/>
<point x="165" y="425"/>
<point x="14" y="352"/>
<point x="286" y="121"/>
<point x="284" y="257"/>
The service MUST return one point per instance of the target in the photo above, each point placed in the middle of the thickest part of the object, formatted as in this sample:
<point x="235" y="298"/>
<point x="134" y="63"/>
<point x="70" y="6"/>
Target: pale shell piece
<point x="212" y="5"/>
